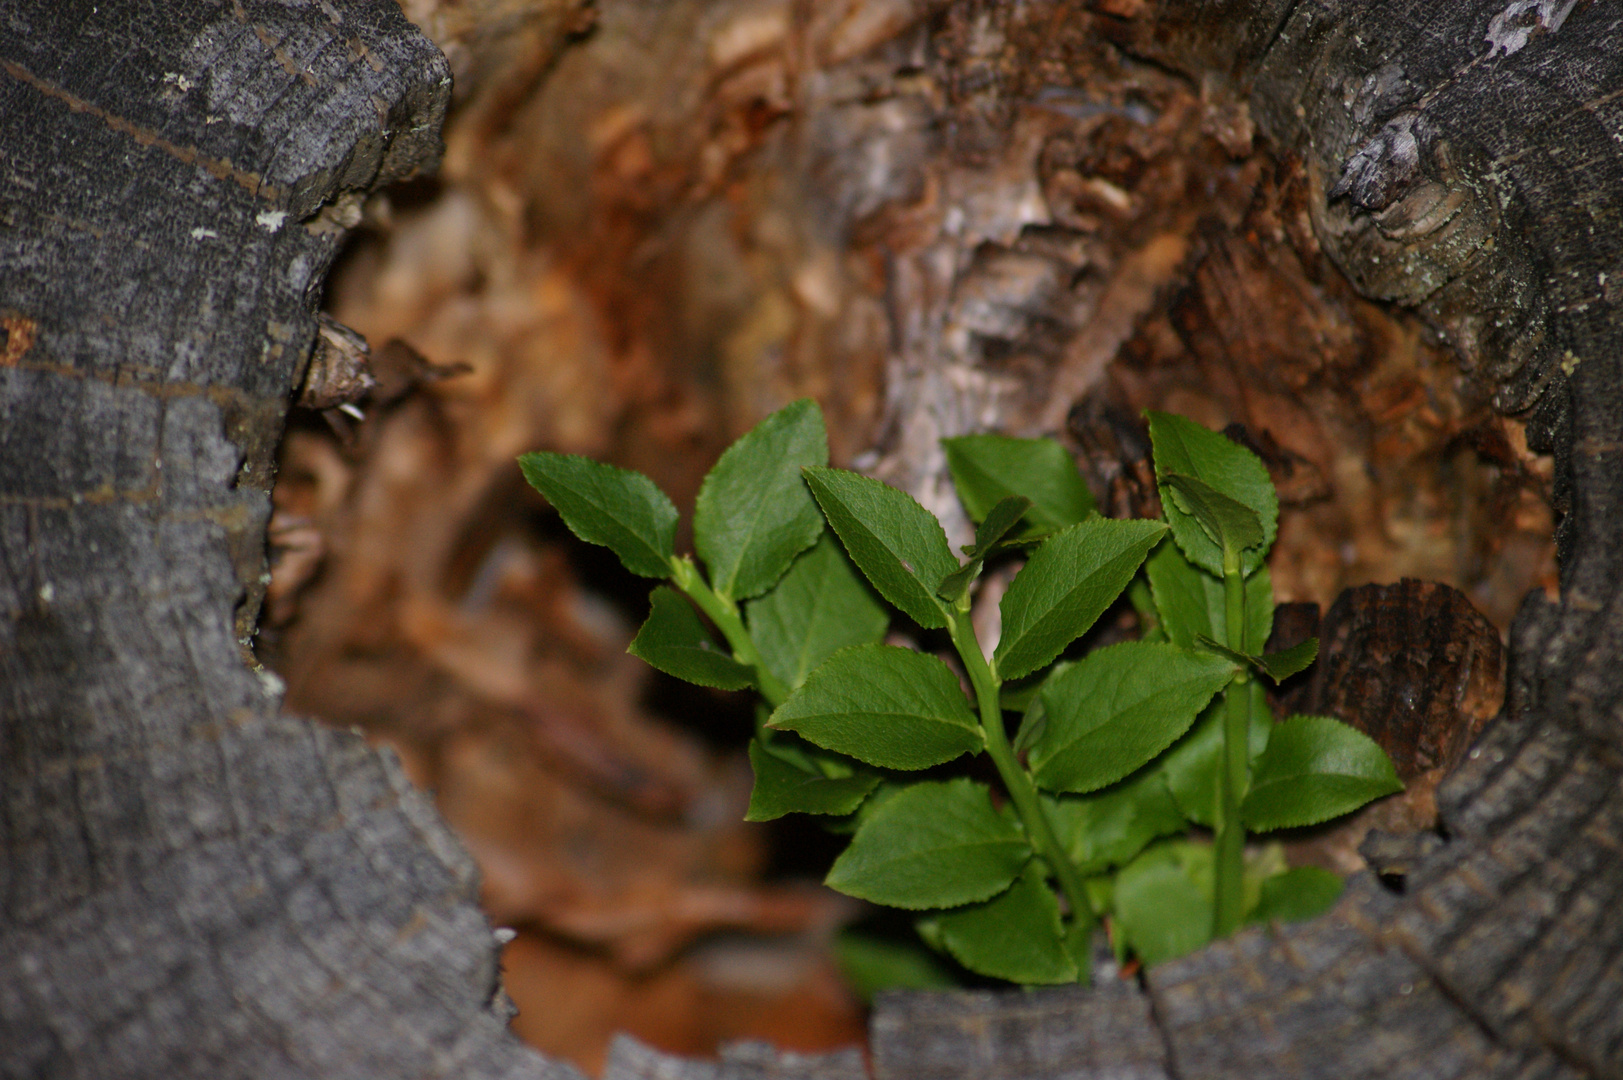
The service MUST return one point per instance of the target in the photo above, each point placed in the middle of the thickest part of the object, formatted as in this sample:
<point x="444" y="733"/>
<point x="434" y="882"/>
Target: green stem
<point x="1231" y="778"/>
<point x="724" y="613"/>
<point x="1022" y="792"/>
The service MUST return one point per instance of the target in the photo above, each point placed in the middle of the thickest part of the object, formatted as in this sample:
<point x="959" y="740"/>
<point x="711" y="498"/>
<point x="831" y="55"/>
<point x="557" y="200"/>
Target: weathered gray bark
<point x="193" y="883"/>
<point x="196" y="884"/>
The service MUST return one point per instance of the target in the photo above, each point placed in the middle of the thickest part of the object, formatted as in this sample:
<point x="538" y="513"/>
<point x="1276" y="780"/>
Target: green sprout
<point x="1122" y="758"/>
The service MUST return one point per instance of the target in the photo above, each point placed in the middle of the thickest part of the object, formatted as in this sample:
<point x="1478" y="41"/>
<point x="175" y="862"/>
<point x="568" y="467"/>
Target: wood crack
<point x="219" y="168"/>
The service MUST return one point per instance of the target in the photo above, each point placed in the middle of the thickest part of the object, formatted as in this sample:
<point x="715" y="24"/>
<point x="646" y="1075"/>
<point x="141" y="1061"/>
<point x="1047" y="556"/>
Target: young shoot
<point x="1123" y="761"/>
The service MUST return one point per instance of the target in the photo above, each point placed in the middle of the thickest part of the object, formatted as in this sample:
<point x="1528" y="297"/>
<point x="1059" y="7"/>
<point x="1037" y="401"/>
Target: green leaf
<point x="871" y="963"/>
<point x="1191" y="766"/>
<point x="1016" y="935"/>
<point x="932" y="844"/>
<point x="822" y="605"/>
<point x="677" y="643"/>
<point x="1034" y="721"/>
<point x="754" y="514"/>
<point x="1190" y="602"/>
<point x="988" y="541"/>
<point x="888" y="706"/>
<point x="1149" y="619"/>
<point x="887" y="790"/>
<point x="989" y="468"/>
<point x="616" y="508"/>
<point x="1300" y="893"/>
<point x="850" y="823"/>
<point x="999" y="520"/>
<point x="809" y="759"/>
<point x="1231" y="525"/>
<point x="1278" y="666"/>
<point x="1032" y="726"/>
<point x="1163" y="900"/>
<point x="1281" y="665"/>
<point x="1068" y="583"/>
<point x="1315" y="768"/>
<point x="1119" y="707"/>
<point x="1109" y="827"/>
<point x="1017" y="695"/>
<point x="896" y="542"/>
<point x="782" y="787"/>
<point x="1261" y="862"/>
<point x="1183" y="446"/>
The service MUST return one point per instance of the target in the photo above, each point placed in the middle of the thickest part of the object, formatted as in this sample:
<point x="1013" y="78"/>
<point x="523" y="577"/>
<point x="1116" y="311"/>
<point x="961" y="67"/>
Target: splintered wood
<point x="658" y="222"/>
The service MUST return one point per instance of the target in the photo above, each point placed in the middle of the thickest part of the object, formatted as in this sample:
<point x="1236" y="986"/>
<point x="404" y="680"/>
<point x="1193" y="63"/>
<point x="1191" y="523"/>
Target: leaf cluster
<point x="1113" y="766"/>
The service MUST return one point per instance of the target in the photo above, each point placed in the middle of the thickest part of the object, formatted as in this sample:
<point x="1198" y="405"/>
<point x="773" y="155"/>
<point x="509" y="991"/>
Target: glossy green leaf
<point x="675" y="641"/>
<point x="897" y="543"/>
<point x="822" y="605"/>
<point x="1190" y="767"/>
<point x="1017" y="935"/>
<point x="888" y="706"/>
<point x="871" y="963"/>
<point x="1119" y="707"/>
<point x="616" y="508"/>
<point x="989" y="468"/>
<point x="1108" y="828"/>
<point x="1300" y="893"/>
<point x="783" y="787"/>
<point x="989" y="540"/>
<point x="1315" y="768"/>
<point x="1190" y="601"/>
<point x="1184" y="447"/>
<point x="1066" y="585"/>
<point x="1231" y="525"/>
<point x="932" y="844"/>
<point x="754" y="514"/>
<point x="1163" y="900"/>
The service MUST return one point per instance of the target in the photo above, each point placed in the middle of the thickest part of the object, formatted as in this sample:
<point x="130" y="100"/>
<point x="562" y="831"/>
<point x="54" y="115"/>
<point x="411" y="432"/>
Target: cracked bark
<point x="195" y="883"/>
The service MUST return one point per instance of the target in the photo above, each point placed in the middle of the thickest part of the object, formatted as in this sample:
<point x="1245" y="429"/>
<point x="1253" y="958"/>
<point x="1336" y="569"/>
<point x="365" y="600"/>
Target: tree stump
<point x="196" y="883"/>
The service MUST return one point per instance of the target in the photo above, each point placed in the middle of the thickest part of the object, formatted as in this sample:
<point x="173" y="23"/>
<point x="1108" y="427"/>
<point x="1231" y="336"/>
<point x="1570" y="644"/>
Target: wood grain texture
<point x="1412" y="665"/>
<point x="1105" y="1031"/>
<point x="631" y="1060"/>
<point x="193" y="883"/>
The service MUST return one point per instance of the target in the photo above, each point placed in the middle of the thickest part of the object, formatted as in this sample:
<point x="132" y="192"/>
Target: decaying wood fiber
<point x="197" y="883"/>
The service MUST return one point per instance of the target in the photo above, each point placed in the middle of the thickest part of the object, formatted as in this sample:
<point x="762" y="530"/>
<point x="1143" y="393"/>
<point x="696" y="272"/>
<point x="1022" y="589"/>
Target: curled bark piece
<point x="339" y="371"/>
